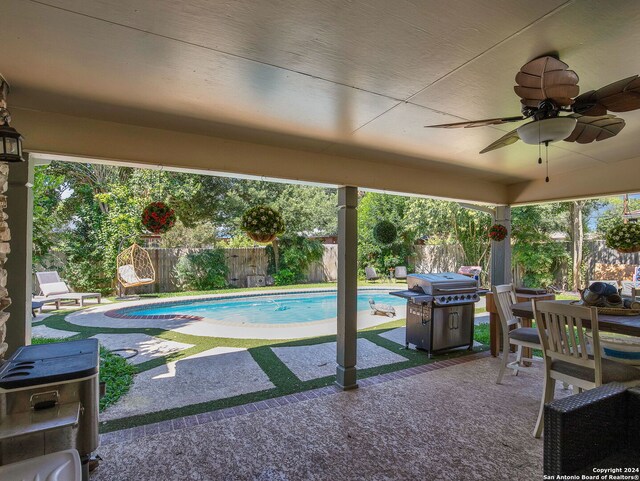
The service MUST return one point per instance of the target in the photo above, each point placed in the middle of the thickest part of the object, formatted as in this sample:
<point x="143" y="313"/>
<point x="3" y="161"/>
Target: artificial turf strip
<point x="284" y="380"/>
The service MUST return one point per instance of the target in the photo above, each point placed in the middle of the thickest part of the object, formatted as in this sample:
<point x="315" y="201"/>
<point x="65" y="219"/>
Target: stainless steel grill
<point x="440" y="310"/>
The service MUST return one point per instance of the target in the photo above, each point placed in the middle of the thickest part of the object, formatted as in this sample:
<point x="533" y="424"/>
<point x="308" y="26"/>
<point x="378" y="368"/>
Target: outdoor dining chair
<point x="566" y="354"/>
<point x="504" y="297"/>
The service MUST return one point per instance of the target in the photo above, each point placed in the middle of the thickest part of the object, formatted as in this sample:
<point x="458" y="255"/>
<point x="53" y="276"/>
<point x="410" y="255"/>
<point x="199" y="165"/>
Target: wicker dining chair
<point x="567" y="355"/>
<point x="504" y="297"/>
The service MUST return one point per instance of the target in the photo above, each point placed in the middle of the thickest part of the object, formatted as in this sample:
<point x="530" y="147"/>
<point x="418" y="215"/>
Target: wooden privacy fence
<point x="241" y="262"/>
<point x="249" y="261"/>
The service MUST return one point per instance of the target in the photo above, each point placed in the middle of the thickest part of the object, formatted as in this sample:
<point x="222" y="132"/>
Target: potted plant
<point x="497" y="232"/>
<point x="158" y="217"/>
<point x="262" y="223"/>
<point x="624" y="238"/>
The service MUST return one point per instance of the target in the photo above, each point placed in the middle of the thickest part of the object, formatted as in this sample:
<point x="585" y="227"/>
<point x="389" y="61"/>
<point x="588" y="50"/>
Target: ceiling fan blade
<point x="478" y="123"/>
<point x="507" y="139"/>
<point x="589" y="129"/>
<point x="546" y="78"/>
<point x="620" y="96"/>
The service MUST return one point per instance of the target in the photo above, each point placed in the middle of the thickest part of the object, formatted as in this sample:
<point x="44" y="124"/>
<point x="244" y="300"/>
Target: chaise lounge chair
<point x="371" y="274"/>
<point x="52" y="287"/>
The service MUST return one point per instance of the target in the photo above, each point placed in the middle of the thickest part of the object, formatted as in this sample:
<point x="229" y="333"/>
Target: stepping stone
<point x="48" y="332"/>
<point x="319" y="360"/>
<point x="218" y="373"/>
<point x="148" y="347"/>
<point x="398" y="336"/>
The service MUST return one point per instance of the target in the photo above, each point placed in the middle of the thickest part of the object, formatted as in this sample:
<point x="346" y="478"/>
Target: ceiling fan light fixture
<point x="547" y="130"/>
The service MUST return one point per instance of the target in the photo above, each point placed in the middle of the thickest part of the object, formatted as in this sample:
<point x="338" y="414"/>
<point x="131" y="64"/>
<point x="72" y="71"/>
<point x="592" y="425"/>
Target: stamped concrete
<point x="148" y="347"/>
<point x="451" y="424"/>
<point x="214" y="374"/>
<point x="319" y="360"/>
<point x="49" y="332"/>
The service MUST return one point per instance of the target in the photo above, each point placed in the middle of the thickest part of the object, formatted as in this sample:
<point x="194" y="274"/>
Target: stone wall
<point x="5" y="236"/>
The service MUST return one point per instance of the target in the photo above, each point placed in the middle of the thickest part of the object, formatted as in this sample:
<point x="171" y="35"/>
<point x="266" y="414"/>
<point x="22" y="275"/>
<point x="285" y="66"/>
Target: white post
<point x="501" y="251"/>
<point x="346" y="376"/>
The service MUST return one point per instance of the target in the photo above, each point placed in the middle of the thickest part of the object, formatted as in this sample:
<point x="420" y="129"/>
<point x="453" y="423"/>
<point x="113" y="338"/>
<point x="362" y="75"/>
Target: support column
<point x="346" y="376"/>
<point x="501" y="251"/>
<point x="19" y="263"/>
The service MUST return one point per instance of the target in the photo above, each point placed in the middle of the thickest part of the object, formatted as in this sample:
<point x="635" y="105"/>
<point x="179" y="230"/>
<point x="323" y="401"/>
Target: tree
<point x="577" y="237"/>
<point x="536" y="255"/>
<point x="449" y="222"/>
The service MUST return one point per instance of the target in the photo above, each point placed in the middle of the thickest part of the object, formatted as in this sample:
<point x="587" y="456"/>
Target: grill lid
<point x="50" y="363"/>
<point x="430" y="283"/>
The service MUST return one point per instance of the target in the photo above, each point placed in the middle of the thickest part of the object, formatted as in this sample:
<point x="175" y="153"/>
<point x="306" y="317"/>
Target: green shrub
<point x="202" y="270"/>
<point x="385" y="233"/>
<point x="296" y="255"/>
<point x="285" y="277"/>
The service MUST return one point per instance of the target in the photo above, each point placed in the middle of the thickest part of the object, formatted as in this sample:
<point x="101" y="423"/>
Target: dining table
<point x="628" y="325"/>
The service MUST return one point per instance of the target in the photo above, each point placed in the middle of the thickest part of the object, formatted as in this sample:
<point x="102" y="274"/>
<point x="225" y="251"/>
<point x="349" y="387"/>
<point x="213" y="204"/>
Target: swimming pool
<point x="278" y="309"/>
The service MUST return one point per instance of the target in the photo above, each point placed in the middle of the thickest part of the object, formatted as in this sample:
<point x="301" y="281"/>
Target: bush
<point x="296" y="255"/>
<point x="202" y="270"/>
<point x="385" y="233"/>
<point x="285" y="277"/>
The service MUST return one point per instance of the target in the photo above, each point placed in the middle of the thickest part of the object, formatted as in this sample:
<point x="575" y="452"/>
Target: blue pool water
<point x="281" y="309"/>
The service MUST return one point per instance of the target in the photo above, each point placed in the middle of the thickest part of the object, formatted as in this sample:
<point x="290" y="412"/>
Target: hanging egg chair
<point x="135" y="267"/>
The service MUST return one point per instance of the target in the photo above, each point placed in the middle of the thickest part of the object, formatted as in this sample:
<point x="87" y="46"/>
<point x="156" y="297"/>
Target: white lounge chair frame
<point x="53" y="287"/>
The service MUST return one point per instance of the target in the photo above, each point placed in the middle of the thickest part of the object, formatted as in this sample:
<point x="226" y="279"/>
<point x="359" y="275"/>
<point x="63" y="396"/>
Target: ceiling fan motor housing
<point x="551" y="129"/>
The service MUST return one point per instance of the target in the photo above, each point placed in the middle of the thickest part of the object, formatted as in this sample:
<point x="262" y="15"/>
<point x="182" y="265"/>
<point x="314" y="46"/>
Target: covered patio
<point x="334" y="94"/>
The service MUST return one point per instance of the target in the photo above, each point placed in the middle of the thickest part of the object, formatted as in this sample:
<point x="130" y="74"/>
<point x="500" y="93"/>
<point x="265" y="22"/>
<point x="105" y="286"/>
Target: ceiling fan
<point x="547" y="88"/>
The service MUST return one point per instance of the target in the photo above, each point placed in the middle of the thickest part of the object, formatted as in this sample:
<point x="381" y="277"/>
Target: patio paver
<point x="49" y="332"/>
<point x="218" y="373"/>
<point x="148" y="347"/>
<point x="319" y="360"/>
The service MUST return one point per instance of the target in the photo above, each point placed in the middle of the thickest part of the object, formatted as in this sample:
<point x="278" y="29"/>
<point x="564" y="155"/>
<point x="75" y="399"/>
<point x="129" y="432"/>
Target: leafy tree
<point x="534" y="252"/>
<point x="372" y="209"/>
<point x="449" y="222"/>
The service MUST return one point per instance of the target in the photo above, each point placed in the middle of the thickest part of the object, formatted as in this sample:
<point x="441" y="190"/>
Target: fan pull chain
<point x="546" y="144"/>
<point x="539" y="146"/>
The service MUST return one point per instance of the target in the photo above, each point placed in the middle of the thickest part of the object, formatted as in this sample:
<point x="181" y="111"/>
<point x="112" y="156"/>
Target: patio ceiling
<point x="332" y="92"/>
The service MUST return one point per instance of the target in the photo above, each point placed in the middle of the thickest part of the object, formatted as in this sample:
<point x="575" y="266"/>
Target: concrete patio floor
<point x="447" y="421"/>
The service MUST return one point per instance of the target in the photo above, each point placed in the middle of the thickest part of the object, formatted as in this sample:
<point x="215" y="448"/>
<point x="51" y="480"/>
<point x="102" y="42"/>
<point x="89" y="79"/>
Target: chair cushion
<point x="128" y="274"/>
<point x="54" y="288"/>
<point x="611" y="371"/>
<point x="526" y="334"/>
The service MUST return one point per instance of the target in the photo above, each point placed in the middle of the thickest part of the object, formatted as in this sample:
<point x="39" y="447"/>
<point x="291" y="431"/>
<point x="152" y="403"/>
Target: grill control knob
<point x="443" y="299"/>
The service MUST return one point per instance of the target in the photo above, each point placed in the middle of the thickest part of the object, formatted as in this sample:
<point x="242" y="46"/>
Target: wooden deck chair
<point x="134" y="267"/>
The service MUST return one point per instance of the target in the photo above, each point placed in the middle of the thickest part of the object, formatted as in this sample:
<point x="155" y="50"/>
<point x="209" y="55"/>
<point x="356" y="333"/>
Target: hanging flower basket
<point x="624" y="238"/>
<point x="158" y="217"/>
<point x="262" y="223"/>
<point x="498" y="232"/>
